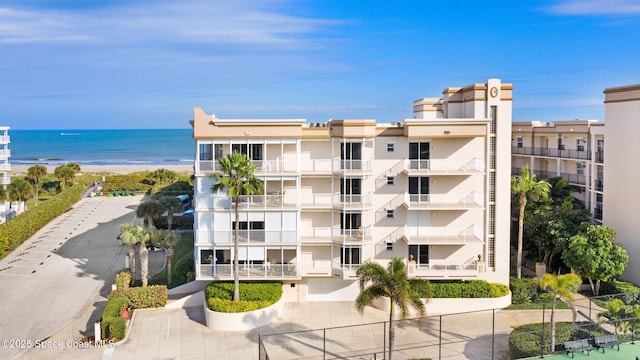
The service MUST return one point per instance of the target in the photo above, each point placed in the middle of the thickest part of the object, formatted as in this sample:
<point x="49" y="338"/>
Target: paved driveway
<point x="61" y="276"/>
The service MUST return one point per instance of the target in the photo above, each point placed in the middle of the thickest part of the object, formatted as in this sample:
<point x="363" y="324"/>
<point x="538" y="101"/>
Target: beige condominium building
<point x="432" y="190"/>
<point x="622" y="178"/>
<point x="5" y="168"/>
<point x="573" y="150"/>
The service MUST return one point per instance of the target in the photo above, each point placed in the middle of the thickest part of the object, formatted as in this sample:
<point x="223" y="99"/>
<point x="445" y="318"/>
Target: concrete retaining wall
<point x="241" y="321"/>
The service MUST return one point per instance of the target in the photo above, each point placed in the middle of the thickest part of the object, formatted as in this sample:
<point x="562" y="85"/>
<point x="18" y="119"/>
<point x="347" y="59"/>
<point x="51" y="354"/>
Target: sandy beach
<point x="20" y="170"/>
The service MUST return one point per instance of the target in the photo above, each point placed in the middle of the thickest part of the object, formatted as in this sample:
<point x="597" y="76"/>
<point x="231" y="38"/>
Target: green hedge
<point x="253" y="296"/>
<point x="525" y="341"/>
<point x="112" y="325"/>
<point x="179" y="222"/>
<point x="143" y="297"/>
<point x="123" y="279"/>
<point x="22" y="227"/>
<point x="469" y="289"/>
<point x="614" y="286"/>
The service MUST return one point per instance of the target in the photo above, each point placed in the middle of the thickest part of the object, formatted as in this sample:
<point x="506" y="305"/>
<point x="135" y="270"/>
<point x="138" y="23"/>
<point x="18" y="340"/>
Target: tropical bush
<point x="142" y="297"/>
<point x="23" y="226"/>
<point x="253" y="296"/>
<point x="184" y="222"/>
<point x="523" y="290"/>
<point x="468" y="289"/>
<point x="123" y="279"/>
<point x="112" y="325"/>
<point x="526" y="341"/>
<point x="614" y="286"/>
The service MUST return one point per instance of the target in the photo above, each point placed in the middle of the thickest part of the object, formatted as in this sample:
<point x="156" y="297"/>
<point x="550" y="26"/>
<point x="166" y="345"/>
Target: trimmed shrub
<point x="112" y="325"/>
<point x="123" y="279"/>
<point x="468" y="289"/>
<point x="230" y="306"/>
<point x="23" y="226"/>
<point x="143" y="297"/>
<point x="253" y="296"/>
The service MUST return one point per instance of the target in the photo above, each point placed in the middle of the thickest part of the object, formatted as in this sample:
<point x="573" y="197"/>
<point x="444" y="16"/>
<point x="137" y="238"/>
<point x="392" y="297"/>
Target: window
<point x="350" y="190"/>
<point x="391" y="146"/>
<point x="218" y="151"/>
<point x="349" y="256"/>
<point x="419" y="155"/>
<point x="206" y="152"/>
<point x="520" y="142"/>
<point x="420" y="254"/>
<point x="580" y="144"/>
<point x="389" y="246"/>
<point x="391" y="180"/>
<point x="419" y="188"/>
<point x="351" y="224"/>
<point x="390" y="213"/>
<point x="580" y="169"/>
<point x="253" y="151"/>
<point x="351" y="156"/>
<point x="250" y="230"/>
<point x="560" y="143"/>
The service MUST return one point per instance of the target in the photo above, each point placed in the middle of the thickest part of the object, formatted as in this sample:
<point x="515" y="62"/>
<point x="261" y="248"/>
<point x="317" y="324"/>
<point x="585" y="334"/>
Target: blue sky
<point x="68" y="64"/>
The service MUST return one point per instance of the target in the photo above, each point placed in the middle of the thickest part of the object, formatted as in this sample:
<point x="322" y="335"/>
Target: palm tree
<point x="562" y="287"/>
<point x="171" y="205"/>
<point x="167" y="239"/>
<point x="128" y="237"/>
<point x="237" y="180"/>
<point x="149" y="211"/>
<point x="36" y="173"/>
<point x="20" y="190"/>
<point x="392" y="282"/>
<point x="526" y="187"/>
<point x="74" y="166"/>
<point x="65" y="174"/>
<point x="559" y="189"/>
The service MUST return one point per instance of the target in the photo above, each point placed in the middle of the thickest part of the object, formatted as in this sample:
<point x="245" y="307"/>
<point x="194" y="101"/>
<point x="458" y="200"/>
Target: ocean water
<point x="102" y="147"/>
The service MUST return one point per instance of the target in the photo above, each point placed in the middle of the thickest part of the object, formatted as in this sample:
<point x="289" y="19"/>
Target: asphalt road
<point x="63" y="273"/>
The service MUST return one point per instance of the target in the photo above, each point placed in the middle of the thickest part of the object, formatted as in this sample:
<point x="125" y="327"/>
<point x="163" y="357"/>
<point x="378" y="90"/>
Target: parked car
<point x="186" y="201"/>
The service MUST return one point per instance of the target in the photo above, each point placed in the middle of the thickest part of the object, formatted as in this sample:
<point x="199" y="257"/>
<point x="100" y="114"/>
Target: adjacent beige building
<point x="573" y="150"/>
<point x="622" y="178"/>
<point x="432" y="190"/>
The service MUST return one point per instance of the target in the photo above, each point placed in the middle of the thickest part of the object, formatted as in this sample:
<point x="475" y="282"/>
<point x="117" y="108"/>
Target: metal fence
<point x="434" y="337"/>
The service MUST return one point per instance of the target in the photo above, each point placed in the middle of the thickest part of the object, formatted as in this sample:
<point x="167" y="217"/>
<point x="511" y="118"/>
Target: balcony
<point x="445" y="235"/>
<point x="264" y="167"/>
<point x="316" y="167"/>
<point x="328" y="234"/>
<point x="5" y="139"/>
<point x="248" y="271"/>
<point x="5" y="166"/>
<point x="253" y="202"/>
<point x="5" y="153"/>
<point x="353" y="201"/>
<point x="444" y="270"/>
<point x="443" y="167"/>
<point x="444" y="201"/>
<point x="316" y="268"/>
<point x="574" y="179"/>
<point x="580" y="154"/>
<point x="5" y="180"/>
<point x="353" y="167"/>
<point x="247" y="236"/>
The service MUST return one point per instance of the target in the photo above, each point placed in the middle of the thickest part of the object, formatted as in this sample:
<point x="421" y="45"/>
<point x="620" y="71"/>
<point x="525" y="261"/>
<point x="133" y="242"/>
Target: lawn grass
<point x="182" y="263"/>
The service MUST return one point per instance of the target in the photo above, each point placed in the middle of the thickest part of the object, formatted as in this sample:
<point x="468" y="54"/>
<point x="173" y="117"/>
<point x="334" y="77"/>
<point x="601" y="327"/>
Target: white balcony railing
<point x="254" y="236"/>
<point x="443" y="270"/>
<point x="445" y="235"/>
<point x="288" y="200"/>
<point x="444" y="166"/>
<point x="445" y="201"/>
<point x="5" y="166"/>
<point x="356" y="166"/>
<point x="249" y="271"/>
<point x="5" y="139"/>
<point x="5" y="153"/>
<point x="327" y="233"/>
<point x="315" y="166"/>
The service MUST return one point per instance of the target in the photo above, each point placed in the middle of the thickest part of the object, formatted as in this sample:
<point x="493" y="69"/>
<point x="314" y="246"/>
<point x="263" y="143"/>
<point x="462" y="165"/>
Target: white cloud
<point x="241" y="23"/>
<point x="596" y="7"/>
